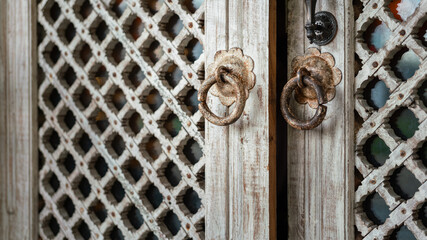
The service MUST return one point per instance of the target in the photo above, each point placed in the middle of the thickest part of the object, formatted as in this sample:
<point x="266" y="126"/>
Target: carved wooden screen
<point x="120" y="137"/>
<point x="391" y="102"/>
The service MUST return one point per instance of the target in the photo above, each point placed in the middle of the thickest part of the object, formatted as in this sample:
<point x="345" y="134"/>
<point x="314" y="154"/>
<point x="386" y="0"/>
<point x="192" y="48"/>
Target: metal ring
<point x="240" y="99"/>
<point x="285" y="98"/>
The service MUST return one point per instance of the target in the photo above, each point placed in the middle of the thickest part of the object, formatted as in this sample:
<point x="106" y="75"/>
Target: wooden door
<point x="104" y="139"/>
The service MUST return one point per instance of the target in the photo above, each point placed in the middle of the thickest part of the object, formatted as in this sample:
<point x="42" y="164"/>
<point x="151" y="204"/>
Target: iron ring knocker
<point x="302" y="79"/>
<point x="235" y="81"/>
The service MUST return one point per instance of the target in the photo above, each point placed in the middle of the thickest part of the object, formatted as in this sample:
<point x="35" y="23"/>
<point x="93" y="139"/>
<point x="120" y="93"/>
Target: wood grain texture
<point x="241" y="177"/>
<point x="18" y="141"/>
<point x="320" y="161"/>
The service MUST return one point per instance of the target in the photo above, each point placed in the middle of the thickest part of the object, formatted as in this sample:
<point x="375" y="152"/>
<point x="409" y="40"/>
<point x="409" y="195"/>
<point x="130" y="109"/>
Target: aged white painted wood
<point x="321" y="161"/>
<point x="135" y="101"/>
<point x="376" y="122"/>
<point x="240" y="184"/>
<point x="18" y="117"/>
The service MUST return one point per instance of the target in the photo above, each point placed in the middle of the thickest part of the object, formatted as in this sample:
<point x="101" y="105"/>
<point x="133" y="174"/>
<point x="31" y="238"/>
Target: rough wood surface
<point x="238" y="172"/>
<point x="320" y="161"/>
<point x="18" y="116"/>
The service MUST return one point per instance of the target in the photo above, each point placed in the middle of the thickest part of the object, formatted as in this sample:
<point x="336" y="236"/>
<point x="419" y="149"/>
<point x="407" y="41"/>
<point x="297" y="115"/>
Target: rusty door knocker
<point x="230" y="78"/>
<point x="314" y="77"/>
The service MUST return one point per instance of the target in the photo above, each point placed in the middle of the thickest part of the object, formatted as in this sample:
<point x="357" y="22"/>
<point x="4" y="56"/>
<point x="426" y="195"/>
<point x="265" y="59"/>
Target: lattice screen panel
<point x="120" y="136"/>
<point x="391" y="100"/>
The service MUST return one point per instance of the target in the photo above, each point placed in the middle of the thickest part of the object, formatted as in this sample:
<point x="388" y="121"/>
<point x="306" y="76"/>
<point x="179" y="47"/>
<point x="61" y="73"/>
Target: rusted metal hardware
<point x="230" y="78"/>
<point x="302" y="79"/>
<point x="314" y="77"/>
<point x="321" y="27"/>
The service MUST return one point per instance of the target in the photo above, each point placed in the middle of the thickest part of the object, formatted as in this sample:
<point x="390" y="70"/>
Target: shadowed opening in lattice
<point x="54" y="12"/>
<point x="192" y="5"/>
<point x="154" y="100"/>
<point x="100" y="30"/>
<point x="173" y="75"/>
<point x="151" y="148"/>
<point x="132" y="218"/>
<point x="169" y="174"/>
<point x="50" y="227"/>
<point x="84" y="98"/>
<point x="68" y="76"/>
<point x="67" y="120"/>
<point x="67" y="31"/>
<point x="132" y="170"/>
<point x="174" y="26"/>
<point x="118" y="7"/>
<point x="66" y="207"/>
<point x="97" y="212"/>
<point x="150" y="236"/>
<point x="51" y="97"/>
<point x="115" y="192"/>
<point x="98" y="167"/>
<point x="154" y="196"/>
<point x="402" y="233"/>
<point x="99" y="121"/>
<point x="84" y="144"/>
<point x="376" y="35"/>
<point x="135" y="76"/>
<point x="376" y="151"/>
<point x="154" y="5"/>
<point x="404" y="183"/>
<point x="376" y="93"/>
<point x="422" y="93"/>
<point x="191" y="102"/>
<point x="404" y="123"/>
<point x="403" y="9"/>
<point x="357" y="64"/>
<point x="193" y="50"/>
<point x="41" y="160"/>
<point x="81" y="230"/>
<point x="422" y="34"/>
<point x="135" y="123"/>
<point x="172" y="125"/>
<point x="66" y="164"/>
<point x="422" y="154"/>
<point x="192" y="151"/>
<point x="83" y="54"/>
<point x="405" y="63"/>
<point x="422" y="214"/>
<point x="51" y="140"/>
<point x="41" y="33"/>
<point x="98" y="75"/>
<point x="172" y="222"/>
<point x="376" y="209"/>
<point x="134" y="26"/>
<point x="41" y="203"/>
<point x="117" y="145"/>
<point x="51" y="183"/>
<point x="83" y="188"/>
<point x="192" y="201"/>
<point x="83" y="9"/>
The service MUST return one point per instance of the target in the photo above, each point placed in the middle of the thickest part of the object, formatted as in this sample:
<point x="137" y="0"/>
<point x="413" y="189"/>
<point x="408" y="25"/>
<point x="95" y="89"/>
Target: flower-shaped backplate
<point x="322" y="68"/>
<point x="237" y="64"/>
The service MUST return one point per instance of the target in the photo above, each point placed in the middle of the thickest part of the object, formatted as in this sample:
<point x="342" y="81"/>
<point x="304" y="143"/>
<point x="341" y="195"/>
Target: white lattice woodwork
<point x="95" y="104"/>
<point x="404" y="94"/>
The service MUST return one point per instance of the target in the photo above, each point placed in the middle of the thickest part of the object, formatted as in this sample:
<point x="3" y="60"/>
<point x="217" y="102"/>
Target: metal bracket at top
<point x="321" y="26"/>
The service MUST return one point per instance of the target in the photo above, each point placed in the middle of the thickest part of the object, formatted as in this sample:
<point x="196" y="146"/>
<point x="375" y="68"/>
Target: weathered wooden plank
<point x="18" y="116"/>
<point x="320" y="171"/>
<point x="246" y="149"/>
<point x="217" y="137"/>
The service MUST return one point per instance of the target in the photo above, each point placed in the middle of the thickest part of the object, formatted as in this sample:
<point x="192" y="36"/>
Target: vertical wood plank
<point x="217" y="140"/>
<point x="241" y="158"/>
<point x="18" y="116"/>
<point x="250" y="136"/>
<point x="320" y="161"/>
